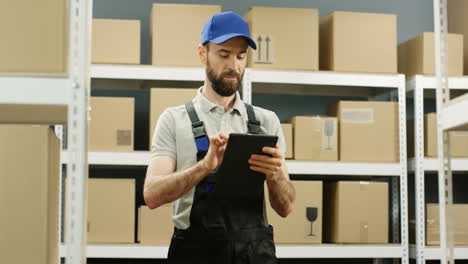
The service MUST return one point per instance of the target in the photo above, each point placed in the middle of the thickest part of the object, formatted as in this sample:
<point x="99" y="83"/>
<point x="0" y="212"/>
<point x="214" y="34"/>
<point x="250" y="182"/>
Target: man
<point x="182" y="169"/>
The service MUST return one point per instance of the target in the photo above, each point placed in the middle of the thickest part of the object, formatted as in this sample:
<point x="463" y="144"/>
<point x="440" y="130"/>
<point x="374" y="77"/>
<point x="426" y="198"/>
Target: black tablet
<point x="235" y="179"/>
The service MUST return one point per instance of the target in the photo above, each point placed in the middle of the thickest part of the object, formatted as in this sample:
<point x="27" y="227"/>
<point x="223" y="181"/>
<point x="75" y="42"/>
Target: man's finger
<point x="262" y="170"/>
<point x="272" y="168"/>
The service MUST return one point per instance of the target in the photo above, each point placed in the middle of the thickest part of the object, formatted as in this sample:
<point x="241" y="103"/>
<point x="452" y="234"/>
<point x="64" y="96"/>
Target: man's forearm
<point x="164" y="189"/>
<point x="281" y="194"/>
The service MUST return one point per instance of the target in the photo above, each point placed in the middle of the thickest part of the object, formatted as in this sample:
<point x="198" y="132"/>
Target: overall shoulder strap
<point x="198" y="130"/>
<point x="253" y="125"/>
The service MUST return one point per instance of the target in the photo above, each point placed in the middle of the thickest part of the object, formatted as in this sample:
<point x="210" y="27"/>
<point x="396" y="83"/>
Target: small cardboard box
<point x="286" y="38"/>
<point x="155" y="226"/>
<point x="116" y="41"/>
<point x="176" y="33"/>
<point x="358" y="42"/>
<point x="315" y="138"/>
<point x="304" y="224"/>
<point x="457" y="23"/>
<point x="34" y="37"/>
<point x="112" y="124"/>
<point x="111" y="211"/>
<point x="416" y="56"/>
<point x="162" y="98"/>
<point x="458" y="139"/>
<point x="288" y="138"/>
<point x="356" y="212"/>
<point x="368" y="131"/>
<point x="29" y="197"/>
<point x="460" y="224"/>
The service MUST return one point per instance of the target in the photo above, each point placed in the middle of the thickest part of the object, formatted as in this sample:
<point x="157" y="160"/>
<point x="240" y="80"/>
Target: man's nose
<point x="233" y="64"/>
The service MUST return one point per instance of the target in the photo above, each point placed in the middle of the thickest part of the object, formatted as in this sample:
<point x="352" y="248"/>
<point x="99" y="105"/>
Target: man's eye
<point x="224" y="55"/>
<point x="240" y="57"/>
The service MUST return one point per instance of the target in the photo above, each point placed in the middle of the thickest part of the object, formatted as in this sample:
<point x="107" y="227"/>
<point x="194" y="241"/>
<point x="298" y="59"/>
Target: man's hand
<point x="270" y="166"/>
<point x="214" y="157"/>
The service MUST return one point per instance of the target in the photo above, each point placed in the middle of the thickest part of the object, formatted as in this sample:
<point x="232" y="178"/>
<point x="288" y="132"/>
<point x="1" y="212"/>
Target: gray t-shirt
<point x="173" y="137"/>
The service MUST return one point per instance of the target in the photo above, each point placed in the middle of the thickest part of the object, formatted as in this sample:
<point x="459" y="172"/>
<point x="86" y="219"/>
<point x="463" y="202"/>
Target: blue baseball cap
<point x="225" y="26"/>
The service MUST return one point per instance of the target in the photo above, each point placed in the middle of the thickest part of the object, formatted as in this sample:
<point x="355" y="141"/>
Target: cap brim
<point x="224" y="38"/>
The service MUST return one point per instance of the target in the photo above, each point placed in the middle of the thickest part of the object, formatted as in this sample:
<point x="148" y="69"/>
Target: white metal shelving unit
<point x="420" y="84"/>
<point x="369" y="85"/>
<point x="65" y="91"/>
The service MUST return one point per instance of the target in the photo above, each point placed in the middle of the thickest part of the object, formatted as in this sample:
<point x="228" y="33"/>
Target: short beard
<point x="221" y="87"/>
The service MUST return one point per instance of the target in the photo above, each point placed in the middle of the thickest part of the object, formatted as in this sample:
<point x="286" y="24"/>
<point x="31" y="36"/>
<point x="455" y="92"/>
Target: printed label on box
<point x="265" y="49"/>
<point x="124" y="137"/>
<point x="357" y="115"/>
<point x="329" y="135"/>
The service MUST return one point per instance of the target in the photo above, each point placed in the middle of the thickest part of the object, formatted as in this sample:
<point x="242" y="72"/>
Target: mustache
<point x="231" y="74"/>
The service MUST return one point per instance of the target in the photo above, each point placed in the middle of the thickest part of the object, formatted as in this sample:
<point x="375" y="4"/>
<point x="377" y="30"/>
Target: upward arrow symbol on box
<point x="267" y="48"/>
<point x="259" y="40"/>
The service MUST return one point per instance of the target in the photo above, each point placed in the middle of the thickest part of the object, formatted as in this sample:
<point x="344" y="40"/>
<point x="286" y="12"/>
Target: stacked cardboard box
<point x="457" y="23"/>
<point x="162" y="98"/>
<point x="416" y="56"/>
<point x="286" y="38"/>
<point x="175" y="33"/>
<point x="29" y="197"/>
<point x="112" y="122"/>
<point x="34" y="37"/>
<point x="111" y="211"/>
<point x="460" y="224"/>
<point x="368" y="131"/>
<point x="458" y="139"/>
<point x="358" y="42"/>
<point x="155" y="226"/>
<point x="116" y="41"/>
<point x="315" y="138"/>
<point x="355" y="212"/>
<point x="304" y="224"/>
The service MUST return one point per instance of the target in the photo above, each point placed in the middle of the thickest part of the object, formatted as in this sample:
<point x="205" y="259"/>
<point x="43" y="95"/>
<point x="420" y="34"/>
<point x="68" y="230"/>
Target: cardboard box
<point x="111" y="125"/>
<point x="155" y="226"/>
<point x="34" y="37"/>
<point x="287" y="38"/>
<point x="315" y="138"/>
<point x="417" y="55"/>
<point x="116" y="41"/>
<point x="29" y="196"/>
<point x="304" y="224"/>
<point x="176" y="33"/>
<point x="358" y="42"/>
<point x="368" y="131"/>
<point x="457" y="23"/>
<point x="356" y="212"/>
<point x="458" y="139"/>
<point x="111" y="210"/>
<point x="33" y="114"/>
<point x="162" y="98"/>
<point x="460" y="224"/>
<point x="288" y="138"/>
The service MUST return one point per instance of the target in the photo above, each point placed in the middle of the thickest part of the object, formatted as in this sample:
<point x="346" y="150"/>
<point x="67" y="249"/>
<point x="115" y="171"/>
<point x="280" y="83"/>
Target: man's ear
<point x="203" y="53"/>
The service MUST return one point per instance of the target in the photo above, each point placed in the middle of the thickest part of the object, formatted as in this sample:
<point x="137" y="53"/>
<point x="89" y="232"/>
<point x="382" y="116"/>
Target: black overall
<point x="222" y="230"/>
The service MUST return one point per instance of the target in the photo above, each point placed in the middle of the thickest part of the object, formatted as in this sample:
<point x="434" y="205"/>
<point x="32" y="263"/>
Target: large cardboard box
<point x="315" y="138"/>
<point x="34" y="37"/>
<point x="287" y="38"/>
<point x="116" y="41"/>
<point x="460" y="224"/>
<point x="288" y="138"/>
<point x="358" y="42"/>
<point x="33" y="114"/>
<point x="176" y="33"/>
<point x="29" y="194"/>
<point x="111" y="211"/>
<point x="356" y="212"/>
<point x="162" y="98"/>
<point x="416" y="56"/>
<point x="458" y="23"/>
<point x="155" y="226"/>
<point x="112" y="124"/>
<point x="368" y="131"/>
<point x="458" y="139"/>
<point x="304" y="224"/>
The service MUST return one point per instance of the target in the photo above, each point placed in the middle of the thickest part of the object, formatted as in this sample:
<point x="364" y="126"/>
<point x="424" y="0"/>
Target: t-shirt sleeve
<point x="163" y="142"/>
<point x="278" y="131"/>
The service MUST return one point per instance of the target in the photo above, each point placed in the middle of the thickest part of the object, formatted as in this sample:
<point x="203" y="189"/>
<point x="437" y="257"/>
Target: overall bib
<point x="222" y="230"/>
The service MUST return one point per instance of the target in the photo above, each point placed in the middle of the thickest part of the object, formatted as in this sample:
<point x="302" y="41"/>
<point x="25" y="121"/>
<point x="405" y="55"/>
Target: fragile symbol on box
<point x="265" y="50"/>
